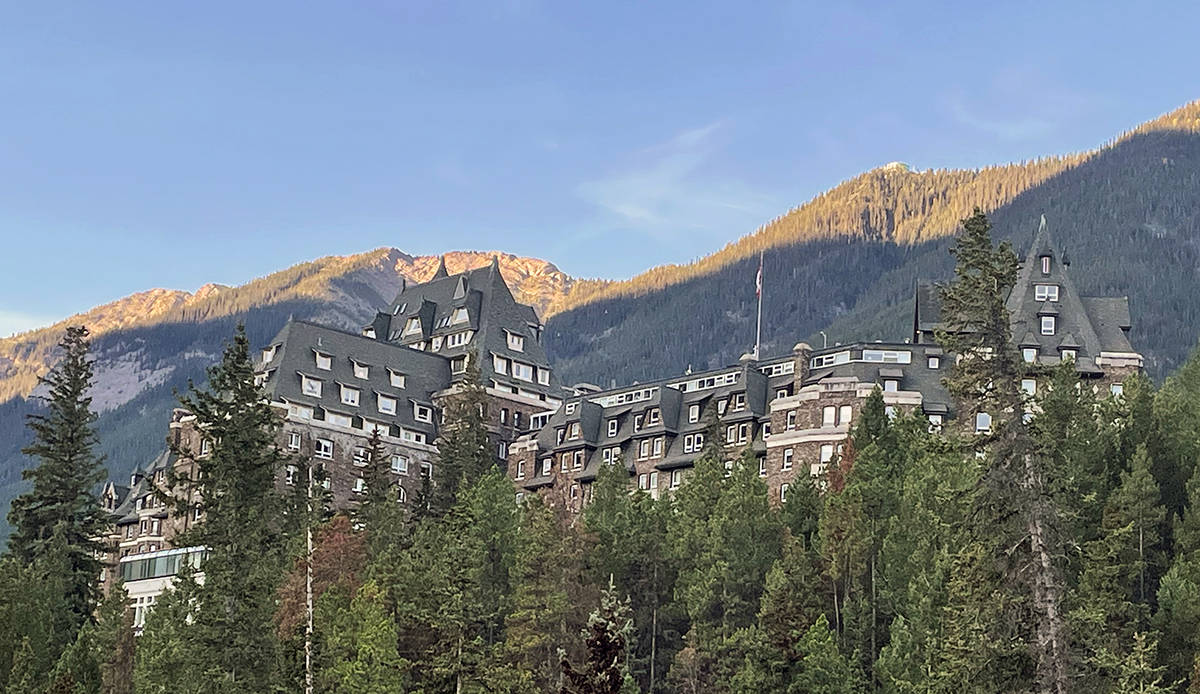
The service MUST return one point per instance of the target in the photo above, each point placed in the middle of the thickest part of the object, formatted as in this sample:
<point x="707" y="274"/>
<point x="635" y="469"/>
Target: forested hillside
<point x="1128" y="214"/>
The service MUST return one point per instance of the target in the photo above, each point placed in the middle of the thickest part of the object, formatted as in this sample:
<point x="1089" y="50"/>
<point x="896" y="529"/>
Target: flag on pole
<point x="758" y="279"/>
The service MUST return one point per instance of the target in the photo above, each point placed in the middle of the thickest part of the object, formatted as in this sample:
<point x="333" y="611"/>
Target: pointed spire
<point x="1041" y="241"/>
<point x="495" y="263"/>
<point x="441" y="270"/>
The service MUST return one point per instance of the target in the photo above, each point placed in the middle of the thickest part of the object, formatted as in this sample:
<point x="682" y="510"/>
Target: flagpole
<point x="758" y="330"/>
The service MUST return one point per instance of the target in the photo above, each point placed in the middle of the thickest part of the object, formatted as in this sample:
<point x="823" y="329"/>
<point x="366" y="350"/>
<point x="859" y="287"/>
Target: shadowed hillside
<point x="1128" y="214"/>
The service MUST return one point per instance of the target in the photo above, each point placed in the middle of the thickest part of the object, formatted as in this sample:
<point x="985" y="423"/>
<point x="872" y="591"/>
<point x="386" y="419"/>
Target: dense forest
<point x="848" y="261"/>
<point x="1058" y="552"/>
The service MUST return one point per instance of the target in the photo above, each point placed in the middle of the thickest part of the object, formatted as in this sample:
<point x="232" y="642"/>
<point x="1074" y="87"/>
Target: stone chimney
<point x="802" y="354"/>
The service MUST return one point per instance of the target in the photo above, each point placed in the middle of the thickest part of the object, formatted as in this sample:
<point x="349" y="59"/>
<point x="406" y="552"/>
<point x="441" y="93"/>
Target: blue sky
<point x="152" y="144"/>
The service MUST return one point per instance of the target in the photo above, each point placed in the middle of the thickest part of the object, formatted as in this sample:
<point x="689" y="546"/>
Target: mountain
<point x="847" y="261"/>
<point x="150" y="344"/>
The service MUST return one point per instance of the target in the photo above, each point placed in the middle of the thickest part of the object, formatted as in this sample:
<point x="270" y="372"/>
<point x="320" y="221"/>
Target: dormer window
<point x="324" y="361"/>
<point x="1068" y="355"/>
<point x="516" y="342"/>
<point x="458" y="365"/>
<point x="693" y="413"/>
<point x="422" y="413"/>
<point x="637" y="422"/>
<point x="1045" y="292"/>
<point x="612" y="428"/>
<point x="396" y="378"/>
<point x="1045" y="265"/>
<point x="310" y="386"/>
<point x="361" y="370"/>
<point x="739" y="402"/>
<point x="499" y="364"/>
<point x="1048" y="325"/>
<point x="350" y="396"/>
<point x="983" y="423"/>
<point x="413" y="326"/>
<point x="268" y="354"/>
<point x="458" y="339"/>
<point x="385" y="404"/>
<point x="459" y="315"/>
<point x="653" y="417"/>
<point x="1030" y="354"/>
<point x="891" y="385"/>
<point x="543" y="376"/>
<point x="573" y="431"/>
<point x="437" y="343"/>
<point x="522" y="371"/>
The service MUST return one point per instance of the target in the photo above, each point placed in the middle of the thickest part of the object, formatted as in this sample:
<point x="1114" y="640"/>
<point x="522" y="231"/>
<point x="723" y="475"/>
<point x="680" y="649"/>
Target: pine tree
<point x="1137" y="673"/>
<point x="379" y="498"/>
<point x="115" y="645"/>
<point x="607" y="636"/>
<point x="823" y="669"/>
<point x="464" y="450"/>
<point x="62" y="499"/>
<point x="364" y="644"/>
<point x="23" y="677"/>
<point x="175" y="663"/>
<point x="243" y="527"/>
<point x="1018" y="506"/>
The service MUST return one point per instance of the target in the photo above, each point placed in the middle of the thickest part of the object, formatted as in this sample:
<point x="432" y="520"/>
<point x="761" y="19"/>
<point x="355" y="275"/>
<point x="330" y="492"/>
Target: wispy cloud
<point x="667" y="190"/>
<point x="12" y="322"/>
<point x="1017" y="103"/>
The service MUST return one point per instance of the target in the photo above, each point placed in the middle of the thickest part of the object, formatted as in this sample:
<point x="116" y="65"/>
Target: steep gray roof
<point x="492" y="313"/>
<point x="296" y="346"/>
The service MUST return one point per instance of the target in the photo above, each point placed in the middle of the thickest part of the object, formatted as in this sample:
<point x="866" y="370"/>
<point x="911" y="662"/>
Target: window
<point x="361" y="370"/>
<point x="766" y="430"/>
<point x="891" y="385"/>
<point x="658" y="447"/>
<point x="323" y="448"/>
<point x="1045" y="265"/>
<point x="458" y="365"/>
<point x="426" y="470"/>
<point x="781" y="393"/>
<point x="437" y="344"/>
<point x="783" y="491"/>
<point x="743" y="432"/>
<point x="399" y="464"/>
<point x="845" y="413"/>
<point x="520" y="469"/>
<point x="324" y="361"/>
<point x="360" y="485"/>
<point x="1045" y="292"/>
<point x="401" y="494"/>
<point x="422" y="413"/>
<point x="517" y="419"/>
<point x="935" y="362"/>
<point x="268" y="354"/>
<point x="612" y="428"/>
<point x="573" y="431"/>
<point x="739" y="402"/>
<point x="547" y="463"/>
<point x="310" y="386"/>
<point x="826" y="453"/>
<point x="828" y="416"/>
<point x="606" y="455"/>
<point x="1117" y="389"/>
<point x="643" y="481"/>
<point x="935" y="422"/>
<point x="412" y="436"/>
<point x="644" y="449"/>
<point x="791" y="420"/>
<point x="762" y="467"/>
<point x="637" y="422"/>
<point x="294" y="440"/>
<point x="499" y="364"/>
<point x="560" y="434"/>
<point x="693" y="413"/>
<point x="361" y="456"/>
<point x="788" y="454"/>
<point x="290" y="475"/>
<point x="1047" y="325"/>
<point x="412" y="326"/>
<point x="340" y="420"/>
<point x="504" y="415"/>
<point x="459" y="315"/>
<point x="386" y="405"/>
<point x="543" y="375"/>
<point x="577" y="460"/>
<point x="721" y="405"/>
<point x="522" y="371"/>
<point x="654" y="416"/>
<point x="1068" y="355"/>
<point x="516" y="342"/>
<point x="349" y="396"/>
<point x="890" y="411"/>
<point x="676" y="478"/>
<point x="205" y="447"/>
<point x="887" y="356"/>
<point x="1030" y="354"/>
<point x="1029" y="385"/>
<point x="396" y="378"/>
<point x="458" y="339"/>
<point x="983" y="423"/>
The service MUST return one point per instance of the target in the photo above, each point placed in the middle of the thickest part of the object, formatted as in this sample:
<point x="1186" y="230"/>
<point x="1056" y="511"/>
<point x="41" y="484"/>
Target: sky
<point x="160" y="144"/>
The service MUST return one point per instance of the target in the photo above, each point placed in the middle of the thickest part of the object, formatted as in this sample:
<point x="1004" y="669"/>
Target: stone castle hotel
<point x="334" y="388"/>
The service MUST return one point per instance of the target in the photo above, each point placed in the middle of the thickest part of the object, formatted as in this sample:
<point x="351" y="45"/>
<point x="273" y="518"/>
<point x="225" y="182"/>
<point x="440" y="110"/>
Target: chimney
<point x="802" y="354"/>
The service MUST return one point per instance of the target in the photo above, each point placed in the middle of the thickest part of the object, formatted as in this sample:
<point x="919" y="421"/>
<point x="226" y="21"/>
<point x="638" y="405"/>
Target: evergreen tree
<point x="607" y="637"/>
<point x="115" y="646"/>
<point x="823" y="669"/>
<point x="24" y="674"/>
<point x="1018" y="508"/>
<point x="61" y="500"/>
<point x="380" y="495"/>
<point x="243" y="529"/>
<point x="174" y="663"/>
<point x="364" y="643"/>
<point x="464" y="450"/>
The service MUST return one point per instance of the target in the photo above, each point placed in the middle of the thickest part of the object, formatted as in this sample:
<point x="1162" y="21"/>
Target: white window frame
<point x="458" y="339"/>
<point x="399" y="464"/>
<point x="845" y="414"/>
<point x="312" y="387"/>
<point x="499" y="364"/>
<point x="289" y="475"/>
<point x="396" y="378"/>
<point x="613" y="426"/>
<point x="1045" y="292"/>
<point x="515" y="342"/>
<point x="323" y="449"/>
<point x="294" y="439"/>
<point x="1049" y="325"/>
<point x="693" y="413"/>
<point x="1045" y="265"/>
<point x="1029" y="386"/>
<point x="790" y="421"/>
<point x="522" y="371"/>
<point x="1068" y="355"/>
<point x="983" y="423"/>
<point x="1030" y="354"/>
<point x="349" y="395"/>
<point x="324" y="361"/>
<point x="422" y="413"/>
<point x="385" y="404"/>
<point x="412" y="326"/>
<point x="788" y="457"/>
<point x="826" y="453"/>
<point x="934" y="362"/>
<point x="828" y="416"/>
<point x="543" y="375"/>
<point x="361" y="370"/>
